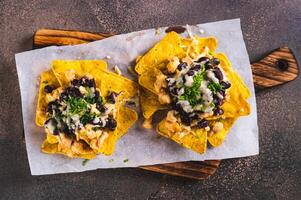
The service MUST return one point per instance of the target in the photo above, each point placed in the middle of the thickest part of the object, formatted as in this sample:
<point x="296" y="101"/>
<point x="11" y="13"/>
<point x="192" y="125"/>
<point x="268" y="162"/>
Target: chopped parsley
<point x="126" y="160"/>
<point x="214" y="87"/>
<point x="77" y="105"/>
<point x="89" y="98"/>
<point x="85" y="162"/>
<point x="211" y="53"/>
<point x="191" y="94"/>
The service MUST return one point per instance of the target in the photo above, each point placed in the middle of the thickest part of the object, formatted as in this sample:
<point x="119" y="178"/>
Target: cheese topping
<point x="80" y="107"/>
<point x="196" y="88"/>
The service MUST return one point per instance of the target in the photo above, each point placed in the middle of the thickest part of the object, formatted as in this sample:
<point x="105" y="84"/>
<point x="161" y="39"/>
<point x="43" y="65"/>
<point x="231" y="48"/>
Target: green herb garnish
<point x="85" y="162"/>
<point x="211" y="53"/>
<point x="214" y="87"/>
<point x="191" y="94"/>
<point x="46" y="82"/>
<point x="89" y="98"/>
<point x="126" y="160"/>
<point x="77" y="105"/>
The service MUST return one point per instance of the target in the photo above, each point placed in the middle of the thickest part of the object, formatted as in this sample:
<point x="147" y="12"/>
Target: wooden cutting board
<point x="277" y="68"/>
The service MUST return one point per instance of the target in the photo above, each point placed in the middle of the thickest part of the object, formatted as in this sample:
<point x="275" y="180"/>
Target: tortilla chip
<point x="169" y="46"/>
<point x="237" y="104"/>
<point x="217" y="139"/>
<point x="126" y="117"/>
<point x="195" y="140"/>
<point x="148" y="78"/>
<point x="46" y="78"/>
<point x="116" y="83"/>
<point x="64" y="70"/>
<point x="81" y="150"/>
<point x="149" y="103"/>
<point x="172" y="45"/>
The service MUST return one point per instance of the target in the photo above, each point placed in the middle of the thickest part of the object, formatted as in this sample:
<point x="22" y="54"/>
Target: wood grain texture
<point x="48" y="37"/>
<point x="265" y="74"/>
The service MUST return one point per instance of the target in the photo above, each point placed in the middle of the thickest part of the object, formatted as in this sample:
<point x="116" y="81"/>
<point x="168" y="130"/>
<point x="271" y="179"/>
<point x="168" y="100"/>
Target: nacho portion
<point x="204" y="94"/>
<point x="85" y="116"/>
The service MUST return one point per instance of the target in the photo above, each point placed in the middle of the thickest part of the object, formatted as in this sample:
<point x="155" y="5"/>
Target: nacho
<point x="203" y="92"/>
<point x="85" y="115"/>
<point x="149" y="103"/>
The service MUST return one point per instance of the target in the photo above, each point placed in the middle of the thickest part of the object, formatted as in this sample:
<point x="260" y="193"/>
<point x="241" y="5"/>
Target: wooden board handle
<point x="277" y="68"/>
<point x="49" y="37"/>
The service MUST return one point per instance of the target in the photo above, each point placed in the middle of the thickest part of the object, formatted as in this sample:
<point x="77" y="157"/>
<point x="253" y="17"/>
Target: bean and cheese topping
<point x="79" y="106"/>
<point x="196" y="88"/>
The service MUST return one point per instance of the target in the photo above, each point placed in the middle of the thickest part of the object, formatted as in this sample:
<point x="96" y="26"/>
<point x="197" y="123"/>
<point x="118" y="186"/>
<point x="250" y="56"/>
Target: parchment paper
<point x="138" y="146"/>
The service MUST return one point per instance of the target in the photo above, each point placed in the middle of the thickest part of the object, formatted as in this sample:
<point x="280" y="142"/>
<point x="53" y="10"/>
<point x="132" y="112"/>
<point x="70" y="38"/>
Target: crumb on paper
<point x="117" y="70"/>
<point x="111" y="160"/>
<point x="84" y="163"/>
<point x="126" y="160"/>
<point x="108" y="57"/>
<point x="158" y="31"/>
<point x="147" y="123"/>
<point x="202" y="31"/>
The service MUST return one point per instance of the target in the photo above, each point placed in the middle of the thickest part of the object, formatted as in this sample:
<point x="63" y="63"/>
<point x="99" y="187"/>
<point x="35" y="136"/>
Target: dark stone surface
<point x="274" y="174"/>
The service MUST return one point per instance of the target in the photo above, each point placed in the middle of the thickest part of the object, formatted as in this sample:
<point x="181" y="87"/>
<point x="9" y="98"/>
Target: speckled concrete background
<point x="274" y="174"/>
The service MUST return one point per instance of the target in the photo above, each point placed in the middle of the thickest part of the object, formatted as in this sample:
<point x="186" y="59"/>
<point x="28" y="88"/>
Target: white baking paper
<point x="138" y="147"/>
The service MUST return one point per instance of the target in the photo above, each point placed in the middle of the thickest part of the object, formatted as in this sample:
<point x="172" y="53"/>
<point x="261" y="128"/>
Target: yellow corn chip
<point x="217" y="139"/>
<point x="46" y="78"/>
<point x="149" y="103"/>
<point x="67" y="70"/>
<point x="195" y="139"/>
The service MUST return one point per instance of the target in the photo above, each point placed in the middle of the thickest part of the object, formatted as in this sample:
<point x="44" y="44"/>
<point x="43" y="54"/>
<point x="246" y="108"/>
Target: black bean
<point x="203" y="59"/>
<point x="96" y="95"/>
<point x="73" y="92"/>
<point x="216" y="100"/>
<point x="185" y="119"/>
<point x="225" y="85"/>
<point x="208" y="65"/>
<point x="91" y="83"/>
<point x="218" y="111"/>
<point x="63" y="96"/>
<point x="218" y="73"/>
<point x="202" y="124"/>
<point x="111" y="98"/>
<point x="48" y="89"/>
<point x="174" y="91"/>
<point x="215" y="61"/>
<point x="182" y="65"/>
<point x="55" y="131"/>
<point x="75" y="82"/>
<point x="52" y="105"/>
<point x="190" y="73"/>
<point x="196" y="67"/>
<point x="111" y="124"/>
<point x="64" y="128"/>
<point x="100" y="107"/>
<point x="222" y="92"/>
